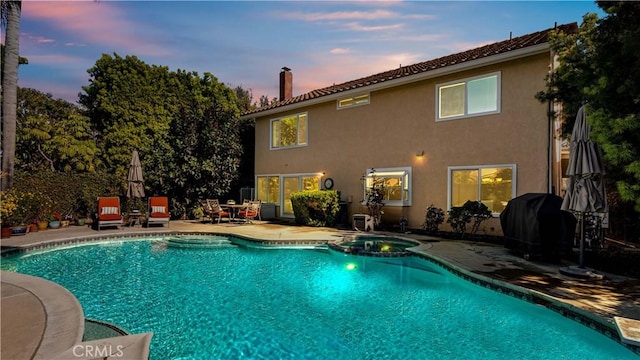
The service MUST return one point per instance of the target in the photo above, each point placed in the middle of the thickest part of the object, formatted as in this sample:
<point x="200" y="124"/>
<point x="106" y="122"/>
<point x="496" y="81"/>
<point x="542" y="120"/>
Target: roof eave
<point x="463" y="66"/>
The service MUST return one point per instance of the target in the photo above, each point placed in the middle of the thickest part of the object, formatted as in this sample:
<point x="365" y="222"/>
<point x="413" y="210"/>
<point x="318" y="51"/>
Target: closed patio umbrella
<point x="585" y="190"/>
<point x="135" y="180"/>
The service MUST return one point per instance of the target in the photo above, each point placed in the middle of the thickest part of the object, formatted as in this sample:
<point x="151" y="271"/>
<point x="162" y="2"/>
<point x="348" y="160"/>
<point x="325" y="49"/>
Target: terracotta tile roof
<point x="486" y="51"/>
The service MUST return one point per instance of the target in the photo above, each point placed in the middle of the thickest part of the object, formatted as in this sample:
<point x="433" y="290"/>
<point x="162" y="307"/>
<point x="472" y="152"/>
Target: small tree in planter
<point x="433" y="219"/>
<point x="374" y="196"/>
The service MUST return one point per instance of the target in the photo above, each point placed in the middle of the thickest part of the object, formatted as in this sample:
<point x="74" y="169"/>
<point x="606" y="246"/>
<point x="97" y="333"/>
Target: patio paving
<point x="29" y="319"/>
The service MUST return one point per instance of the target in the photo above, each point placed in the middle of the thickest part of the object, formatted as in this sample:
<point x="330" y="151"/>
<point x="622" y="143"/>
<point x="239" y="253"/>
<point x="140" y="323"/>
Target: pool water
<point x="234" y="302"/>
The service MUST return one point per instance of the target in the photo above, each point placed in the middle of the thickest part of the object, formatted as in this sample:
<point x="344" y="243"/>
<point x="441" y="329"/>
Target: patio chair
<point x="217" y="210"/>
<point x="158" y="210"/>
<point x="109" y="213"/>
<point x="206" y="209"/>
<point x="252" y="211"/>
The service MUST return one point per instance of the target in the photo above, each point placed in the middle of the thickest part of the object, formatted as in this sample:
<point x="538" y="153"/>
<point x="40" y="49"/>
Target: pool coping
<point x="63" y="314"/>
<point x="598" y="323"/>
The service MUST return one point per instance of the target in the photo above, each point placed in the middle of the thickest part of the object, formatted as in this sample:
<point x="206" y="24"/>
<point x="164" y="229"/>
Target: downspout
<point x="550" y="187"/>
<point x="550" y="127"/>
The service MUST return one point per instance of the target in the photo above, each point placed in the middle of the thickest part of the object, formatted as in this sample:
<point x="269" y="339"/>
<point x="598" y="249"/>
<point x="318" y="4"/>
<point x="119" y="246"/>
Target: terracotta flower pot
<point x="5" y="232"/>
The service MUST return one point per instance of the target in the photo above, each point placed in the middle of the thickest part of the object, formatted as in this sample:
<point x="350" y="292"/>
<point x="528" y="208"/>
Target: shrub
<point x="433" y="219"/>
<point x="316" y="207"/>
<point x="8" y="205"/>
<point x="67" y="193"/>
<point x="460" y="216"/>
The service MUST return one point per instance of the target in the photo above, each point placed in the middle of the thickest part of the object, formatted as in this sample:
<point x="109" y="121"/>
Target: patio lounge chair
<point x="252" y="211"/>
<point x="206" y="209"/>
<point x="158" y="210"/>
<point x="109" y="213"/>
<point x="217" y="210"/>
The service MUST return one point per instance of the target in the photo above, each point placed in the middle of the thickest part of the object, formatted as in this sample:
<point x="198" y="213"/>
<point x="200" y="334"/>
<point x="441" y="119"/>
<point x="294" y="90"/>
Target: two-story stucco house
<point x="462" y="127"/>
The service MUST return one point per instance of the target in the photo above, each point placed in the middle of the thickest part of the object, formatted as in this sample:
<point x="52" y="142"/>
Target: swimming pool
<point x="237" y="302"/>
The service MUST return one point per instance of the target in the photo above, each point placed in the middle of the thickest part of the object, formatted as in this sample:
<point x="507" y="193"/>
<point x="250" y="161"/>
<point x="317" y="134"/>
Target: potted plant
<point x="80" y="220"/>
<point x="9" y="205"/>
<point x="374" y="196"/>
<point x="54" y="220"/>
<point x="27" y="204"/>
<point x="66" y="220"/>
<point x="34" y="225"/>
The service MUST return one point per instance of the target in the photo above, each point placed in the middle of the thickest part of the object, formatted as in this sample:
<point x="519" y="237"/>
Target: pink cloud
<point x="100" y="23"/>
<point x="347" y="68"/>
<point x="355" y="26"/>
<point x="339" y="51"/>
<point x="339" y="15"/>
<point x="56" y="60"/>
<point x="39" y="39"/>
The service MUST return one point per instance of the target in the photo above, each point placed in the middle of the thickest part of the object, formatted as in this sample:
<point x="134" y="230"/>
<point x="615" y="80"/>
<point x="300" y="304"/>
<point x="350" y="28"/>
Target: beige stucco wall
<point x="400" y="122"/>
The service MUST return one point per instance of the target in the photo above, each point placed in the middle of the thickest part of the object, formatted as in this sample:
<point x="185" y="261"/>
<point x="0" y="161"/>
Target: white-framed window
<point x="474" y="96"/>
<point x="277" y="188"/>
<point x="268" y="188"/>
<point x="293" y="183"/>
<point x="353" y="101"/>
<point x="494" y="185"/>
<point x="289" y="131"/>
<point x="394" y="182"/>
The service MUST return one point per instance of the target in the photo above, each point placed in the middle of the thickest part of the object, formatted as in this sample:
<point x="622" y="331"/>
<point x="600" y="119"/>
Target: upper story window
<point x="493" y="185"/>
<point x="473" y="96"/>
<point x="289" y="131"/>
<point x="394" y="182"/>
<point x="353" y="101"/>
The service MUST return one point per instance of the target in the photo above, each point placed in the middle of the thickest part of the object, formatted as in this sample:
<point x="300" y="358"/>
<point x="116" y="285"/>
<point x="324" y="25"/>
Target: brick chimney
<point x="286" y="84"/>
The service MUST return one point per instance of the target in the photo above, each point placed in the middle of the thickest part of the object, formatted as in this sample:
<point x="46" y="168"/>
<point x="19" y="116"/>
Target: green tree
<point x="131" y="108"/>
<point x="247" y="139"/>
<point x="264" y="101"/>
<point x="206" y="131"/>
<point x="600" y="65"/>
<point x="11" y="11"/>
<point x="53" y="134"/>
<point x="245" y="99"/>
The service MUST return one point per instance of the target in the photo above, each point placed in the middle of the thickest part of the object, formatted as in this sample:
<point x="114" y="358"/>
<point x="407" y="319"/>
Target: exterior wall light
<point x="420" y="154"/>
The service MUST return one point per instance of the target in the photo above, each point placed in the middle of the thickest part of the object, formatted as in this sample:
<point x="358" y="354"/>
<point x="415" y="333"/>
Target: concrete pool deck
<point x="40" y="320"/>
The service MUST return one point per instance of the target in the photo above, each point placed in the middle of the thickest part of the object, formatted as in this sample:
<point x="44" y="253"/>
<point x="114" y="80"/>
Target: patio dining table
<point x="233" y="210"/>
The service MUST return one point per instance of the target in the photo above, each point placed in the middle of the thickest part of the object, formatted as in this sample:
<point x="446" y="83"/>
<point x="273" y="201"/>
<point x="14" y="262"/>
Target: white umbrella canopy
<point x="585" y="193"/>
<point x="135" y="180"/>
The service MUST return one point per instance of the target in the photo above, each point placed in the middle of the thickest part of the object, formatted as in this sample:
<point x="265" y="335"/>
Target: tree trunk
<point x="11" y="14"/>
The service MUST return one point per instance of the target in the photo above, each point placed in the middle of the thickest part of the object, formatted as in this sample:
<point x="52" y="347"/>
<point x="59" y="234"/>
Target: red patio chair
<point x="109" y="213"/>
<point x="158" y="210"/>
<point x="217" y="210"/>
<point x="252" y="211"/>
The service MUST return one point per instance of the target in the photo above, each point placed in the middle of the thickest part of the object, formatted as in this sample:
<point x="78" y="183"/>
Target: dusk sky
<point x="246" y="43"/>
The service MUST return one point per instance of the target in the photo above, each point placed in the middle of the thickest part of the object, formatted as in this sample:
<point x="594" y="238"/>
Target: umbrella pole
<point x="581" y="261"/>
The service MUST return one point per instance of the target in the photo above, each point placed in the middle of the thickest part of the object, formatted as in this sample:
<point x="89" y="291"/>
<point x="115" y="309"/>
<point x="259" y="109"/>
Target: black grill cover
<point x="534" y="225"/>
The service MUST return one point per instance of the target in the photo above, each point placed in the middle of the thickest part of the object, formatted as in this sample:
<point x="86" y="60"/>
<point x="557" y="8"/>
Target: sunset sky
<point x="247" y="42"/>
